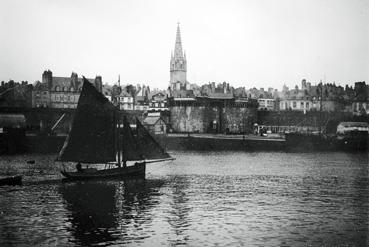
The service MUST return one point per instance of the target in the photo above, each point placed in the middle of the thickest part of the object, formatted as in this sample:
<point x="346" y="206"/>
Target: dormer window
<point x="57" y="88"/>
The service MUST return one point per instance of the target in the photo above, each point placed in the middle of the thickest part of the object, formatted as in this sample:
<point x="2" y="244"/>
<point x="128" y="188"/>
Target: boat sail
<point x="149" y="147"/>
<point x="96" y="137"/>
<point x="93" y="129"/>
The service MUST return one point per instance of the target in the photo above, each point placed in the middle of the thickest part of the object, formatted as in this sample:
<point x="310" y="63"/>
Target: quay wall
<point x="195" y="119"/>
<point x="205" y="119"/>
<point x="239" y="120"/>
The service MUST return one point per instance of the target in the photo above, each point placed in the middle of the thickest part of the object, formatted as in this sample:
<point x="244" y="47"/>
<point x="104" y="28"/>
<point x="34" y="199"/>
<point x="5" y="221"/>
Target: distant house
<point x="155" y="124"/>
<point x="158" y="102"/>
<point x="300" y="104"/>
<point x="126" y="101"/>
<point x="266" y="104"/>
<point x="142" y="103"/>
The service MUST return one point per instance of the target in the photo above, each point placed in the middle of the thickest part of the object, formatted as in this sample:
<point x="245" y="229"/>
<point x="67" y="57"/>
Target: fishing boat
<point x="12" y="180"/>
<point x="98" y="136"/>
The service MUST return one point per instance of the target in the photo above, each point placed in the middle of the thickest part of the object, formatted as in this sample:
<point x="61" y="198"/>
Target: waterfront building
<point x="155" y="124"/>
<point x="60" y="92"/>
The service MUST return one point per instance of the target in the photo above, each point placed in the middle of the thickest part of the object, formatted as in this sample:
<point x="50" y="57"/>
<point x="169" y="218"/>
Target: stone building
<point x="60" y="92"/>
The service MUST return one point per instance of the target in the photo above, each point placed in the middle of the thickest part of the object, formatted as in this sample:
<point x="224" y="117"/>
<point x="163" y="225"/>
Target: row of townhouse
<point x="63" y="92"/>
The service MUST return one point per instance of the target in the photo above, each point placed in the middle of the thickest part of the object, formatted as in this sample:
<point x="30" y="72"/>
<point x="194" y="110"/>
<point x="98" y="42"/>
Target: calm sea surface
<point x="200" y="199"/>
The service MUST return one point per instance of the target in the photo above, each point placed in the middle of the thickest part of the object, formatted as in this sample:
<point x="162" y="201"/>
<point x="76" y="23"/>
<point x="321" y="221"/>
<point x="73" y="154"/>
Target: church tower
<point x="178" y="65"/>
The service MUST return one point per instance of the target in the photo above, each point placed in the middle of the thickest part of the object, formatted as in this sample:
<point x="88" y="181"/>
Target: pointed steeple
<point x="178" y="63"/>
<point x="178" y="46"/>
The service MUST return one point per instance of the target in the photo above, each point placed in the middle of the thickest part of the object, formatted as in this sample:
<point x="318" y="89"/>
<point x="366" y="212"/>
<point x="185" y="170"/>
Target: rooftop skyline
<point x="246" y="43"/>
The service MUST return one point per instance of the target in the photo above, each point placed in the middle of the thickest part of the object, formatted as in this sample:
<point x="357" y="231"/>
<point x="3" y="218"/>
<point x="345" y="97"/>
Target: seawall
<point x="172" y="142"/>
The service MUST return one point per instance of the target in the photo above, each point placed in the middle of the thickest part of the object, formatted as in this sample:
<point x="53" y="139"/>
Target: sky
<point x="251" y="43"/>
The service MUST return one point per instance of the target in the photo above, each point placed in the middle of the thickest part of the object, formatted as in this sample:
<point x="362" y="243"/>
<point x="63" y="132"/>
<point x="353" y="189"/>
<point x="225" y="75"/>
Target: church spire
<point x="178" y="64"/>
<point x="178" y="46"/>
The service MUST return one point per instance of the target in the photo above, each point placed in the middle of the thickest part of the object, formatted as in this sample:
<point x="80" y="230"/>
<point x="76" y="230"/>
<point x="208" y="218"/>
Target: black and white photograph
<point x="184" y="123"/>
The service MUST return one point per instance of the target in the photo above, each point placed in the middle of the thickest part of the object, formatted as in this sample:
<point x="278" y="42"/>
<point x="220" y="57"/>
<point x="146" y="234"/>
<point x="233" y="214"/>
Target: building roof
<point x="354" y="124"/>
<point x="152" y="120"/>
<point x="141" y="99"/>
<point x="183" y="99"/>
<point x="41" y="86"/>
<point x="218" y="96"/>
<point x="107" y="89"/>
<point x="67" y="82"/>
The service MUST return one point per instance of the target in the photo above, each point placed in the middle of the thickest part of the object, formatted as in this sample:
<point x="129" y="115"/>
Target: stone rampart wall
<point x="207" y="119"/>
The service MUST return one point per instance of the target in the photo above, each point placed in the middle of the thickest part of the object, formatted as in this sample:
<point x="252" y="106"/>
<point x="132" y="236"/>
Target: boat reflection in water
<point x="107" y="211"/>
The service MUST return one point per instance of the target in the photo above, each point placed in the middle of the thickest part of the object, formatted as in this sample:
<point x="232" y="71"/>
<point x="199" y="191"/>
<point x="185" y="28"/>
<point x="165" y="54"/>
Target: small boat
<point x="12" y="180"/>
<point x="98" y="136"/>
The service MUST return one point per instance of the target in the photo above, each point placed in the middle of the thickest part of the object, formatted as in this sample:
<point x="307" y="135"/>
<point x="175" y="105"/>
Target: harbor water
<point x="200" y="199"/>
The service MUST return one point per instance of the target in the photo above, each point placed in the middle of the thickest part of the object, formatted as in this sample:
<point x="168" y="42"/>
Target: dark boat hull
<point x="13" y="180"/>
<point x="137" y="170"/>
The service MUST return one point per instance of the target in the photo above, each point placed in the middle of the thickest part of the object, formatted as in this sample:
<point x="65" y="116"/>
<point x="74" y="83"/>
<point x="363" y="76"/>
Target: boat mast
<point x="118" y="129"/>
<point x="122" y="146"/>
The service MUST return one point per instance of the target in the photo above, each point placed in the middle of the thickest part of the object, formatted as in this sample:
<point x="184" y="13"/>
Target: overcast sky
<point x="261" y="43"/>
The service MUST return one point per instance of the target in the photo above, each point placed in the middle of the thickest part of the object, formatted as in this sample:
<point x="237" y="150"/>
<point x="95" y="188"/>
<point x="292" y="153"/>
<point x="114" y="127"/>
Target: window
<point x="307" y="104"/>
<point x="302" y="104"/>
<point x="294" y="104"/>
<point x="57" y="88"/>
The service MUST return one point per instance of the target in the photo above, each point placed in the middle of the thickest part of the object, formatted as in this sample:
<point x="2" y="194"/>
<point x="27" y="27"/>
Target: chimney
<point x="47" y="78"/>
<point x="98" y="83"/>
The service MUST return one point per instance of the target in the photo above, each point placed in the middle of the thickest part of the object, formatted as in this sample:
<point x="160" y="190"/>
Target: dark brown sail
<point x="131" y="150"/>
<point x="91" y="139"/>
<point x="149" y="147"/>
